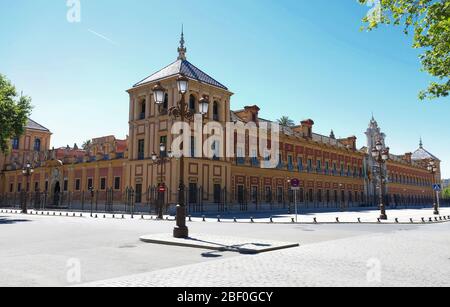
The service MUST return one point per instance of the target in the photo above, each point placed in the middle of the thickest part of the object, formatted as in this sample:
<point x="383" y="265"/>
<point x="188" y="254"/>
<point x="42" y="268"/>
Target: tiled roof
<point x="422" y="154"/>
<point x="182" y="67"/>
<point x="31" y="124"/>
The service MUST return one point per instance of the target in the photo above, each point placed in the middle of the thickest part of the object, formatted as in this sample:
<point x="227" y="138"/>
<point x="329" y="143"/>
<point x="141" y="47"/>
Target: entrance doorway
<point x="56" y="194"/>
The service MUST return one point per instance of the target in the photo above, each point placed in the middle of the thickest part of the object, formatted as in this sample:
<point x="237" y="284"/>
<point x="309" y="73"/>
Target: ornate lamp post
<point x="180" y="112"/>
<point x="432" y="168"/>
<point x="160" y="161"/>
<point x="27" y="172"/>
<point x="381" y="156"/>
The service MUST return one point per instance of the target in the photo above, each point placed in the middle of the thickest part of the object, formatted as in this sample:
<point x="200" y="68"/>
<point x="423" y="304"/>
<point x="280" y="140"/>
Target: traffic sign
<point x="437" y="187"/>
<point x="295" y="184"/>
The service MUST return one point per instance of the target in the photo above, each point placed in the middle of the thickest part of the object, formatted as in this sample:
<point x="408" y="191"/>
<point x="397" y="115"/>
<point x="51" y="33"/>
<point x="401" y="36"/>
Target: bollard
<point x="431" y="220"/>
<point x="315" y="220"/>
<point x="190" y="218"/>
<point x="123" y="216"/>
<point x="114" y="216"/>
<point x="81" y="214"/>
<point x="293" y="220"/>
<point x="60" y="214"/>
<point x="412" y="221"/>
<point x="203" y="218"/>
<point x="74" y="215"/>
<point x="54" y="213"/>
<point x="48" y="213"/>
<point x="218" y="218"/>
<point x="96" y="216"/>
<point x="440" y="218"/>
<point x="436" y="219"/>
<point x="235" y="220"/>
<point x="142" y="217"/>
<point x="271" y="219"/>
<point x="423" y="220"/>
<point x="359" y="220"/>
<point x="252" y="220"/>
<point x="379" y="220"/>
<point x="337" y="220"/>
<point x="396" y="220"/>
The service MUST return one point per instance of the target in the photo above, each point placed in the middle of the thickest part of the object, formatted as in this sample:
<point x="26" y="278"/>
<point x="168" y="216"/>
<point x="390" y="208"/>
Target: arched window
<point x="216" y="111"/>
<point x="192" y="102"/>
<point x="37" y="145"/>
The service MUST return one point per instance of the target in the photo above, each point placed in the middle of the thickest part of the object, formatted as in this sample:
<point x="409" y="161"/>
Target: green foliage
<point x="87" y="145"/>
<point x="446" y="193"/>
<point x="14" y="112"/>
<point x="286" y="121"/>
<point x="430" y="20"/>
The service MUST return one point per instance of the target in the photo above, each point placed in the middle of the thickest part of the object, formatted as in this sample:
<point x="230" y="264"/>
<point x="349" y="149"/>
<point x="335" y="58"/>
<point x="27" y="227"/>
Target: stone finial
<point x="332" y="136"/>
<point x="182" y="49"/>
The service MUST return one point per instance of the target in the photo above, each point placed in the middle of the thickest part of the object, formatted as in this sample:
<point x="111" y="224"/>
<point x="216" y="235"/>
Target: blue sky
<point x="301" y="58"/>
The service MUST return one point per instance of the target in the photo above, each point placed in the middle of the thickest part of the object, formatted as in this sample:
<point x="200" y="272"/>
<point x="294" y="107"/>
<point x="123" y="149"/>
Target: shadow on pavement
<point x="8" y="221"/>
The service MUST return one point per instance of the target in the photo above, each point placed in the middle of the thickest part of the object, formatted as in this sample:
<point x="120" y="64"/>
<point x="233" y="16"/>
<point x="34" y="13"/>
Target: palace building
<point x="333" y="173"/>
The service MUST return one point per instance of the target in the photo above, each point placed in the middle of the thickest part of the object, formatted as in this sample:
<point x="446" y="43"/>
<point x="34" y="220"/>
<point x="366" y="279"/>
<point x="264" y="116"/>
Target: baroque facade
<point x="332" y="172"/>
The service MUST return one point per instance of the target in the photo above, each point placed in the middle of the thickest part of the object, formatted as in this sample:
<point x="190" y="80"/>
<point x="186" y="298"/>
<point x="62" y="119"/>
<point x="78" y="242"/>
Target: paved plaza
<point x="38" y="250"/>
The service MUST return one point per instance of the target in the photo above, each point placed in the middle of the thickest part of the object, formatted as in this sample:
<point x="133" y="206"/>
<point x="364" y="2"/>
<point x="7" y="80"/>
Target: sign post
<point x="437" y="188"/>
<point x="295" y="186"/>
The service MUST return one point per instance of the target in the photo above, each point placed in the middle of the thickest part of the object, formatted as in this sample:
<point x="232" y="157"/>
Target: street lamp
<point x="27" y="171"/>
<point x="432" y="168"/>
<point x="381" y="156"/>
<point x="183" y="113"/>
<point x="160" y="161"/>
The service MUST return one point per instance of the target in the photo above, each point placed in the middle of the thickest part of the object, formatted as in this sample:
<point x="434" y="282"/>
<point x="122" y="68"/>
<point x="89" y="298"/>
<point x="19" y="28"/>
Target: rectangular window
<point x="66" y="185"/>
<point x="290" y="163"/>
<point x="300" y="164"/>
<point x="36" y="186"/>
<point x="193" y="193"/>
<point x="309" y="165"/>
<point x="141" y="147"/>
<point x="102" y="183"/>
<point x="280" y="195"/>
<point x="46" y="186"/>
<point x="117" y="183"/>
<point x="77" y="184"/>
<point x="163" y="140"/>
<point x="19" y="187"/>
<point x="319" y="166"/>
<point x="268" y="194"/>
<point x="11" y="188"/>
<point x="327" y="167"/>
<point x="192" y="147"/>
<point x="15" y="144"/>
<point x="255" y="194"/>
<point x="90" y="184"/>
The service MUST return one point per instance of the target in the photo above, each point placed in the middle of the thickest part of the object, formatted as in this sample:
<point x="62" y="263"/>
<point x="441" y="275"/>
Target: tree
<point x="286" y="121"/>
<point x="14" y="112"/>
<point x="446" y="193"/>
<point x="86" y="145"/>
<point x="430" y="20"/>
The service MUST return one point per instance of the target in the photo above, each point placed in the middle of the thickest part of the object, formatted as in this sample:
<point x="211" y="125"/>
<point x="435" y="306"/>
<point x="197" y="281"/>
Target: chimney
<point x="350" y="142"/>
<point x="249" y="114"/>
<point x="306" y="128"/>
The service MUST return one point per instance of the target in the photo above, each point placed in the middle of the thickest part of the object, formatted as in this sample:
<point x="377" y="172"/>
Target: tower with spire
<point x="182" y="49"/>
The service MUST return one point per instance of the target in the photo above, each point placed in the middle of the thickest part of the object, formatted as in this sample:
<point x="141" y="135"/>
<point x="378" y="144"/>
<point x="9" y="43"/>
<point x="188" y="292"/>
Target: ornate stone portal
<point x="56" y="180"/>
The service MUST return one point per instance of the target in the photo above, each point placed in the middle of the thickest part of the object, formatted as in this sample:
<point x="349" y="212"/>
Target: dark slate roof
<point x="422" y="154"/>
<point x="182" y="67"/>
<point x="31" y="124"/>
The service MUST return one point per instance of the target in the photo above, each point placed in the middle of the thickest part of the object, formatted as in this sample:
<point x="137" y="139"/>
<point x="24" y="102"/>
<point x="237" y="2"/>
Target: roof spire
<point x="421" y="143"/>
<point x="182" y="49"/>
